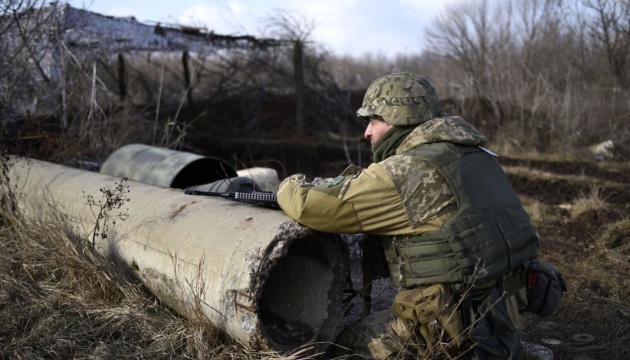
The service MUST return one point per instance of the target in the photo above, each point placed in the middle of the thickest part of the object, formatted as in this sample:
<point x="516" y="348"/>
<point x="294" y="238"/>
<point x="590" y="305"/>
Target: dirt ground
<point x="590" y="247"/>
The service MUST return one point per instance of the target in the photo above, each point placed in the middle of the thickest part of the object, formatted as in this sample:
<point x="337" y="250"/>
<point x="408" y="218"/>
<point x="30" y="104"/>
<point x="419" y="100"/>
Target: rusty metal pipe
<point x="253" y="272"/>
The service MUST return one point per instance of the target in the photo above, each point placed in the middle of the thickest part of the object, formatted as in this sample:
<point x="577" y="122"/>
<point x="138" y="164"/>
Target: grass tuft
<point x="587" y="202"/>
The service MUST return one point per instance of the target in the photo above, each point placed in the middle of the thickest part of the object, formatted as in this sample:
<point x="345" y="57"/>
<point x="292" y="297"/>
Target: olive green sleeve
<point x="364" y="202"/>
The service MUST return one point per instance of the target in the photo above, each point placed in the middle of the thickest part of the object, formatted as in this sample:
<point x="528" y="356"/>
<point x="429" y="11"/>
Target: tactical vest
<point x="489" y="234"/>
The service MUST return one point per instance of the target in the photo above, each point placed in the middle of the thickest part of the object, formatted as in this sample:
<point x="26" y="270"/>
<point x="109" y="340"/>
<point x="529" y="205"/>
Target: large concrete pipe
<point x="253" y="272"/>
<point x="165" y="167"/>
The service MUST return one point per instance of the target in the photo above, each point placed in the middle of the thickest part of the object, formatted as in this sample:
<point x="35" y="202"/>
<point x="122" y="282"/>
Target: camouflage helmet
<point x="401" y="99"/>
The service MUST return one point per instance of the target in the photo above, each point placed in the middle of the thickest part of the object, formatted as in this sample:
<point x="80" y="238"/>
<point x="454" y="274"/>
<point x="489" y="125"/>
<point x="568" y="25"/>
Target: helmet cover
<point x="401" y="99"/>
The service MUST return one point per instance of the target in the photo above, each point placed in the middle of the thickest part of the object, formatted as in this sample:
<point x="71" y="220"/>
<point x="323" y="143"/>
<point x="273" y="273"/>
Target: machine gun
<point x="260" y="198"/>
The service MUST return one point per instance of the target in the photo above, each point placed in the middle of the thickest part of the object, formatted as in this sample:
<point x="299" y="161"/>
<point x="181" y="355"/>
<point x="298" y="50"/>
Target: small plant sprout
<point x="104" y="209"/>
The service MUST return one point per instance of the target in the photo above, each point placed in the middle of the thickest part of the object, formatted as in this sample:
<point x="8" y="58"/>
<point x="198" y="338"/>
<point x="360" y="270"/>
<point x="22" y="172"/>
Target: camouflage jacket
<point x="393" y="197"/>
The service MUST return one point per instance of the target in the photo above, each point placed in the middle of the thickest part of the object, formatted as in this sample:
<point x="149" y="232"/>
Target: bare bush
<point x="550" y="73"/>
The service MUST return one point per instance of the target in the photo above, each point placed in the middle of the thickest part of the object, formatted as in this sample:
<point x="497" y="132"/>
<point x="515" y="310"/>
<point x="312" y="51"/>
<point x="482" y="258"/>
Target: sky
<point x="345" y="27"/>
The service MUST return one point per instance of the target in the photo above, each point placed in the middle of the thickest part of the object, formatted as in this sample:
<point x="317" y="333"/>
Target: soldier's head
<point x="400" y="99"/>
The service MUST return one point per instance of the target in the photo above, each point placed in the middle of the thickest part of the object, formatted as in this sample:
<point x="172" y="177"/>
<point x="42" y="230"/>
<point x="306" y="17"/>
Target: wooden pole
<point x="298" y="69"/>
<point x="185" y="58"/>
<point x="122" y="77"/>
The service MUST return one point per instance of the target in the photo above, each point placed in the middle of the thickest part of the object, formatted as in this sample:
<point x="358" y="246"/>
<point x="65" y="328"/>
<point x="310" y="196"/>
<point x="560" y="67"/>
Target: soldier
<point x="455" y="236"/>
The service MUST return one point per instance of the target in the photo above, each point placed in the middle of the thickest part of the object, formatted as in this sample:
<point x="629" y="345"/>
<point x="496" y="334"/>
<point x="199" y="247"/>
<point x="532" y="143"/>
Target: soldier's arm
<point x="366" y="202"/>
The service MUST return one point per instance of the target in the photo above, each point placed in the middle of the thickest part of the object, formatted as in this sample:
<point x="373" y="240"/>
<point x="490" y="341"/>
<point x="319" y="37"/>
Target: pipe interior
<point x="296" y="297"/>
<point x="202" y="171"/>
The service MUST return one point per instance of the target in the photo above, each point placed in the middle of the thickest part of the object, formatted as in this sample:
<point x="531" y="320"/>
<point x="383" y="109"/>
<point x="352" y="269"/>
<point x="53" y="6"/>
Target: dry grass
<point x="537" y="210"/>
<point x="596" y="304"/>
<point x="59" y="298"/>
<point x="581" y="212"/>
<point x="612" y="259"/>
<point x="615" y="236"/>
<point x="587" y="202"/>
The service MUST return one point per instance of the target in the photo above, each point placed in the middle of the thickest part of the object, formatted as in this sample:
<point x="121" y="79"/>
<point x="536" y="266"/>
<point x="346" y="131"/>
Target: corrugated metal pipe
<point x="165" y="167"/>
<point x="179" y="169"/>
<point x="254" y="272"/>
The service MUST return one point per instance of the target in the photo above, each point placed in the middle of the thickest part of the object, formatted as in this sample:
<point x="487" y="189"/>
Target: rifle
<point x="260" y="198"/>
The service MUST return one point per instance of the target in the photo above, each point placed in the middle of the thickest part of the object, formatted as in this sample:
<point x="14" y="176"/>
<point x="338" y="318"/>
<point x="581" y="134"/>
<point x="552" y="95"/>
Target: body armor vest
<point x="489" y="234"/>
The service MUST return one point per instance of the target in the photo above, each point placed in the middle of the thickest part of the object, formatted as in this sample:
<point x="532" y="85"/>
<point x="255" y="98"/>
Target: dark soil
<point x="597" y="302"/>
<point x="570" y="168"/>
<point x="558" y="191"/>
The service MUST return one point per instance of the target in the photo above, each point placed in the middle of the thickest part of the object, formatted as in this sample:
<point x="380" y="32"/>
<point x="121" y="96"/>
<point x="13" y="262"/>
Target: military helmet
<point x="401" y="99"/>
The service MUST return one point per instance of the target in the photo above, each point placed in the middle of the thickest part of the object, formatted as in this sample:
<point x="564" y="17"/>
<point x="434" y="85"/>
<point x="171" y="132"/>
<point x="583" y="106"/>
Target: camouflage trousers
<point x="491" y="330"/>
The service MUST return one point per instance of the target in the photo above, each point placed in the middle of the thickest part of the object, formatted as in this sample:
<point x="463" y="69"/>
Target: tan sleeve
<point x="366" y="202"/>
<point x="314" y="208"/>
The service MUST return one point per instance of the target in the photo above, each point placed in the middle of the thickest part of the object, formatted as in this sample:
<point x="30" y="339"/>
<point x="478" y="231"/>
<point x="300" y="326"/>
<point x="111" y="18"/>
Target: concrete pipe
<point x="165" y="167"/>
<point x="253" y="272"/>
